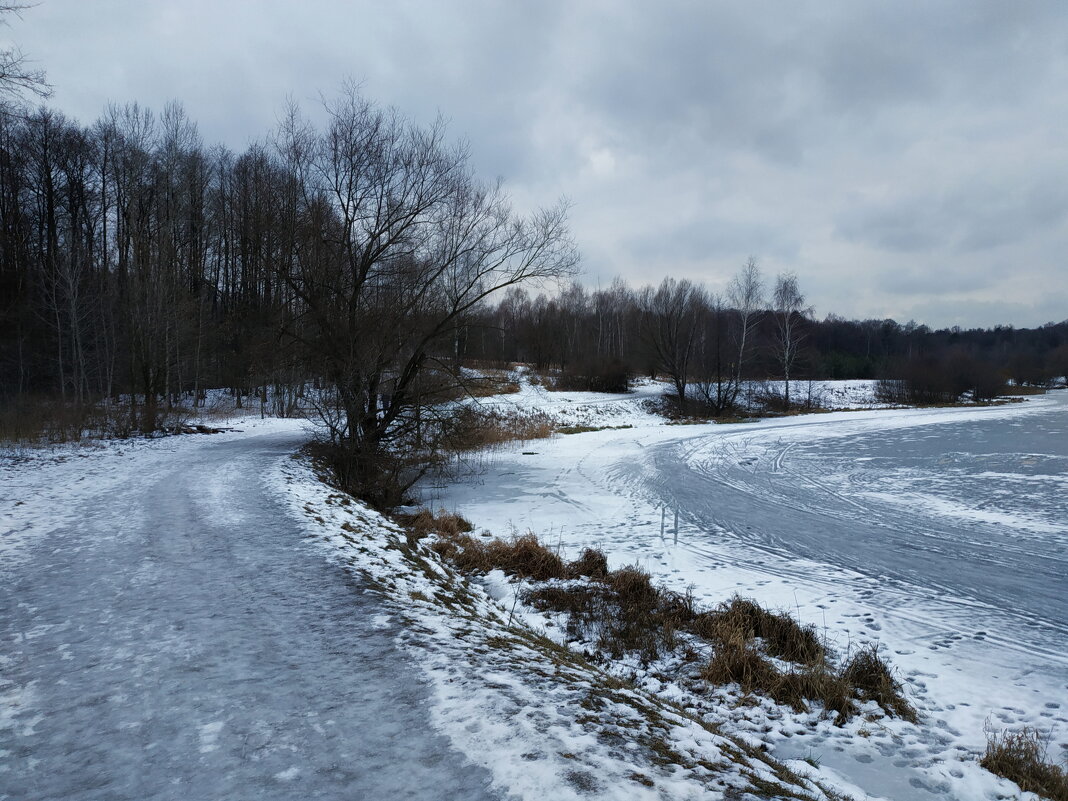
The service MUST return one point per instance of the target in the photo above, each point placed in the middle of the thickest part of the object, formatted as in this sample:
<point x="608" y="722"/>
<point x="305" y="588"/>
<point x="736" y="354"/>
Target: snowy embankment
<point x="962" y="588"/>
<point x="635" y="408"/>
<point x="543" y="720"/>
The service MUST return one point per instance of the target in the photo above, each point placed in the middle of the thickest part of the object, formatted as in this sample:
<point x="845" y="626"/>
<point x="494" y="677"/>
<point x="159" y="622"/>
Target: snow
<point x="166" y="633"/>
<point x="938" y="533"/>
<point x="542" y="721"/>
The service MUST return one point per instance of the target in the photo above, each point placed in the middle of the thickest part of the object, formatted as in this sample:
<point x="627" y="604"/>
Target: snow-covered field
<point x="940" y="534"/>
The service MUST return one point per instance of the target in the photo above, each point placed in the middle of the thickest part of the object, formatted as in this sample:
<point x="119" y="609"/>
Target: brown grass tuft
<point x="591" y="563"/>
<point x="425" y="522"/>
<point x="815" y="682"/>
<point x="625" y="612"/>
<point x="870" y="676"/>
<point x="783" y="636"/>
<point x="737" y="660"/>
<point x="1020" y="756"/>
<point x="622" y="609"/>
<point x="525" y="557"/>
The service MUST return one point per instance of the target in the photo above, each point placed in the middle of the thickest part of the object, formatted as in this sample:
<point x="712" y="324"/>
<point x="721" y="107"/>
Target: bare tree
<point x="672" y="316"/>
<point x="746" y="295"/>
<point x="717" y="382"/>
<point x="17" y="73"/>
<point x="788" y="306"/>
<point x="400" y="243"/>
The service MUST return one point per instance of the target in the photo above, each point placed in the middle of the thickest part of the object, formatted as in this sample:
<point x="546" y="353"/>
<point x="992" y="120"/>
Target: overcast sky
<point x="906" y="159"/>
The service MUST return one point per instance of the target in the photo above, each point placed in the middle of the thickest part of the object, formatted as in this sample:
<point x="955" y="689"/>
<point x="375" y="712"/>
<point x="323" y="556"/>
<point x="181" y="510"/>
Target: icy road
<point x="173" y="638"/>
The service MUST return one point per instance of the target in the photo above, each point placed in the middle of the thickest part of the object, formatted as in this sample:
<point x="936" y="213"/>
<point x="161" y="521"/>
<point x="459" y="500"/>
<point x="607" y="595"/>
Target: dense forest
<point x="364" y="261"/>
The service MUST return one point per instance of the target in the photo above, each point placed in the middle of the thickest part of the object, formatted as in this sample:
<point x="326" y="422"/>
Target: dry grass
<point x="621" y="609"/>
<point x="587" y="429"/>
<point x="525" y="557"/>
<point x="490" y="384"/>
<point x="473" y="428"/>
<point x="816" y="681"/>
<point x="591" y="564"/>
<point x="522" y="556"/>
<point x="626" y="613"/>
<point x="1020" y="756"/>
<point x="783" y="636"/>
<point x="425" y="522"/>
<point x="734" y="629"/>
<point x="872" y="677"/>
<point x="738" y="660"/>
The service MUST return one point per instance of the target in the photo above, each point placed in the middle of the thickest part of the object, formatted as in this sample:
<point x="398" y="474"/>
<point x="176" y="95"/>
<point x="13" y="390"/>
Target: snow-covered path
<point x="174" y="638"/>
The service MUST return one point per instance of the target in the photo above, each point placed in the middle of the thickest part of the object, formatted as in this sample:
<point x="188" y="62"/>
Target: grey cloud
<point x="849" y="141"/>
<point x="980" y="213"/>
<point x="694" y="240"/>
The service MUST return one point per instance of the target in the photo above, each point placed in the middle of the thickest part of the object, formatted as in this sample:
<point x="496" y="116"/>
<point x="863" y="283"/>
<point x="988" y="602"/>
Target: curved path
<point x="178" y="640"/>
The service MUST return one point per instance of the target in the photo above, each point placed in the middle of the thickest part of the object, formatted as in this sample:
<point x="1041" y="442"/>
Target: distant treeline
<point x="595" y="338"/>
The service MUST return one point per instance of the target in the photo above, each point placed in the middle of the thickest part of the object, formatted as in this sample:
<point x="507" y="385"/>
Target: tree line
<point x="353" y="268"/>
<point x="139" y="265"/>
<point x="713" y="347"/>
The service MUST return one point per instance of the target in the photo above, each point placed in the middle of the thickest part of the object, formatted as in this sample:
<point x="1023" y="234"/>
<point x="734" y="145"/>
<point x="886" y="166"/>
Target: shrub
<point x="471" y="428"/>
<point x="930" y="380"/>
<point x="595" y="376"/>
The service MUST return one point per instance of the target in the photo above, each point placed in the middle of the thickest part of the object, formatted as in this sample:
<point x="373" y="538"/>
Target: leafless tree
<point x="17" y="73"/>
<point x="746" y="295"/>
<point x="672" y="317"/>
<point x="717" y="383"/>
<point x="404" y="242"/>
<point x="788" y="306"/>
